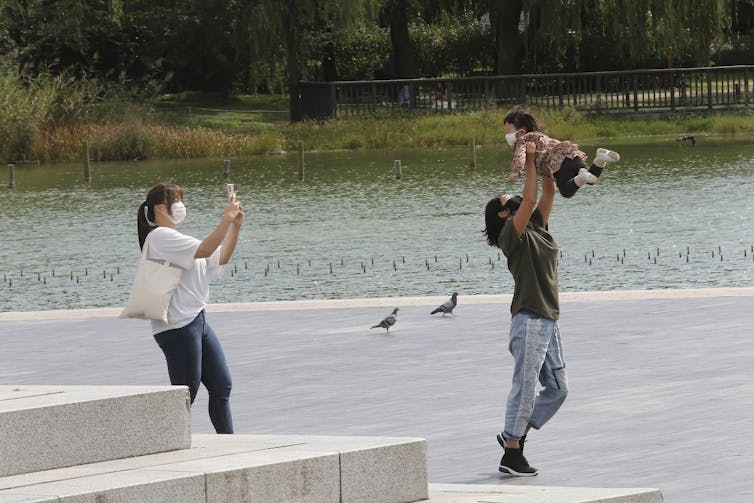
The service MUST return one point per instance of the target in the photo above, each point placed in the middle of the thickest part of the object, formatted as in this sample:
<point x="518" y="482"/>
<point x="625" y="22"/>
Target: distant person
<point x="519" y="228"/>
<point x="554" y="158"/>
<point x="192" y="350"/>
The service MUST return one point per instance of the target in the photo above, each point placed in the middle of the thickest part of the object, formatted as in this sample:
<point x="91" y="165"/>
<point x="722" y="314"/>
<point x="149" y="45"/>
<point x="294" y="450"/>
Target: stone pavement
<point x="662" y="386"/>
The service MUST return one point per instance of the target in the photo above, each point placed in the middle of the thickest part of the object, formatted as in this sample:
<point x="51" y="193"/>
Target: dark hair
<point x="522" y="120"/>
<point x="162" y="193"/>
<point x="493" y="222"/>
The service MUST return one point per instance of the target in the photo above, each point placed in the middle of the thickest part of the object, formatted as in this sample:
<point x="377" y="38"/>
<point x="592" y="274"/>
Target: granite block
<point x="387" y="474"/>
<point x="508" y="493"/>
<point x="50" y="427"/>
<point x="277" y="475"/>
<point x="144" y="486"/>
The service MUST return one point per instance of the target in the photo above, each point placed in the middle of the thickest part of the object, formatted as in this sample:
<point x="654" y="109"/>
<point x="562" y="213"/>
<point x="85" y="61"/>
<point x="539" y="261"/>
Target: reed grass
<point x="48" y="117"/>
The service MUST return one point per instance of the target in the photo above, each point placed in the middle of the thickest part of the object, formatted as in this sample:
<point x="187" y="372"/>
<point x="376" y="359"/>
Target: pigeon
<point x="448" y="307"/>
<point x="388" y="322"/>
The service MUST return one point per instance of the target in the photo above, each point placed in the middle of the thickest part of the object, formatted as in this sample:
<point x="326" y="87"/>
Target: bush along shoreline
<point x="48" y="118"/>
<point x="137" y="139"/>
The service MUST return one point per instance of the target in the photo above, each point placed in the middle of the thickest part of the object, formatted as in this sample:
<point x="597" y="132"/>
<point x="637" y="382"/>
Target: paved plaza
<point x="662" y="384"/>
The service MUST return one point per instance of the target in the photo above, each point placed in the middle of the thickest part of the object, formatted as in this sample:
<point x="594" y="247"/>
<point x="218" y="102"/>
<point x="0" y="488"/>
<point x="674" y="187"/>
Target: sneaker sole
<point x="509" y="471"/>
<point x="609" y="155"/>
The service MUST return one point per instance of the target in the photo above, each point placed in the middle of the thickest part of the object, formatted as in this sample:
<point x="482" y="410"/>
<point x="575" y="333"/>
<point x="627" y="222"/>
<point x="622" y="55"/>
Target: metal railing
<point x="672" y="89"/>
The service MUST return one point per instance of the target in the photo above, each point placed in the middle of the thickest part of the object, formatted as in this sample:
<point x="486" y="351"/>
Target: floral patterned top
<point x="549" y="155"/>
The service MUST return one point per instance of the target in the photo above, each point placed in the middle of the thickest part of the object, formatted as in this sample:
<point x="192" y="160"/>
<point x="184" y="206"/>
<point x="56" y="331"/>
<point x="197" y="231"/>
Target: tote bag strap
<point x="145" y="254"/>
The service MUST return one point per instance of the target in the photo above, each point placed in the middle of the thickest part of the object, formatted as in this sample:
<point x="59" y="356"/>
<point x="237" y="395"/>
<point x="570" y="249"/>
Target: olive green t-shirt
<point x="533" y="262"/>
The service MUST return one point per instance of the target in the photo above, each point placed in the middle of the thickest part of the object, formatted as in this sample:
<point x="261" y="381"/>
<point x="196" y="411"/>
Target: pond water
<point x="668" y="215"/>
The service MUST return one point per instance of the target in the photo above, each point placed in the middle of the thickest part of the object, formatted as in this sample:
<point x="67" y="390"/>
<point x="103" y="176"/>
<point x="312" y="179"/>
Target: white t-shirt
<point x="192" y="293"/>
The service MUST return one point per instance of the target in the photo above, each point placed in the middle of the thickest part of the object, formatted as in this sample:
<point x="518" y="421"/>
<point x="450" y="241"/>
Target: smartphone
<point x="231" y="189"/>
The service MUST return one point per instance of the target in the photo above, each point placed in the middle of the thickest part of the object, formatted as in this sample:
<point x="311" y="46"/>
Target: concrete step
<point x="48" y="427"/>
<point x="510" y="493"/>
<point x="242" y="468"/>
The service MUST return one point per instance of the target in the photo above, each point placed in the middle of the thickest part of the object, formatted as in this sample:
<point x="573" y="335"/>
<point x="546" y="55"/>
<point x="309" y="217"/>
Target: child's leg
<point x="596" y="170"/>
<point x="603" y="157"/>
<point x="571" y="176"/>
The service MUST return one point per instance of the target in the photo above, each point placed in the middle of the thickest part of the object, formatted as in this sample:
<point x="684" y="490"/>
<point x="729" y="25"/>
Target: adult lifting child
<point x="560" y="160"/>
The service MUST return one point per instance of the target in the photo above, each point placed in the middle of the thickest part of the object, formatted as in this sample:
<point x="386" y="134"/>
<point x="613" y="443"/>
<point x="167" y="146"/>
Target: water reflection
<point x="380" y="236"/>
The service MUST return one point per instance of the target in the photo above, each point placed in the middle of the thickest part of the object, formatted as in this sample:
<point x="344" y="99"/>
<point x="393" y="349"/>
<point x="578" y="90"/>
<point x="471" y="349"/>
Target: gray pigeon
<point x="388" y="322"/>
<point x="448" y="307"/>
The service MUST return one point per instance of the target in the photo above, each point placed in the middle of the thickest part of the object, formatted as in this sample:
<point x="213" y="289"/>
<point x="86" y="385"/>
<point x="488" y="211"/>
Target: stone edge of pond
<point x="113" y="312"/>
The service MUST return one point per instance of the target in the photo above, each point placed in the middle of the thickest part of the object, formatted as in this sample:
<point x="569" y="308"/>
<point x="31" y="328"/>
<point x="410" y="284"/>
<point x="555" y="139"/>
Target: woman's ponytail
<point x="143" y="222"/>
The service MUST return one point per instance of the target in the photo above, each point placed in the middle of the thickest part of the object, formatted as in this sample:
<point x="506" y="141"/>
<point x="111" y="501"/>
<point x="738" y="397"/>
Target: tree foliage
<point x="227" y="46"/>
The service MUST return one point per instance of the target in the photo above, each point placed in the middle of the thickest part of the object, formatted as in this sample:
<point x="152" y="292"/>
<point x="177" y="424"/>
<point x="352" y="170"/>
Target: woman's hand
<point x="232" y="209"/>
<point x="238" y="222"/>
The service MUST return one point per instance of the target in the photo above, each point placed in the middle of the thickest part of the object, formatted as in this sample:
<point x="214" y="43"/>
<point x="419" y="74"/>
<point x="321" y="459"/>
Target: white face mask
<point x="178" y="211"/>
<point x="511" y="138"/>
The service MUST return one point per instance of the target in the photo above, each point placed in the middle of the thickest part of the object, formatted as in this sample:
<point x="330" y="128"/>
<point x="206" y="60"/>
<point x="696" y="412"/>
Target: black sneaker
<point x="501" y="441"/>
<point x="514" y="463"/>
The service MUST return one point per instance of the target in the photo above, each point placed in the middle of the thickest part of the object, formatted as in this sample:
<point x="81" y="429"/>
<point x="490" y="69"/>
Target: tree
<point x="397" y="13"/>
<point x="291" y="22"/>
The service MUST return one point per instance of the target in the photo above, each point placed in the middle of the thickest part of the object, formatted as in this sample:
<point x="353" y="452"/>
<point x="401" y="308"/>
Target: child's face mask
<point x="510" y="138"/>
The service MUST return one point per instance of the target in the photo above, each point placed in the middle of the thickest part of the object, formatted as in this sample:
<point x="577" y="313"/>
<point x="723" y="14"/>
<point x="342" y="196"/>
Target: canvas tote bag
<point x="155" y="282"/>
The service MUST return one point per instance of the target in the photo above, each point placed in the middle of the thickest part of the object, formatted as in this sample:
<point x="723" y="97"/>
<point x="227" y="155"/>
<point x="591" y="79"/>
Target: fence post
<point x="226" y="168"/>
<point x="560" y="92"/>
<point x="87" y="167"/>
<point x="334" y="100"/>
<point x="398" y="171"/>
<point x="636" y="93"/>
<point x="473" y="153"/>
<point x="300" y="160"/>
<point x="11" y="176"/>
<point x="709" y="89"/>
<point x="672" y="91"/>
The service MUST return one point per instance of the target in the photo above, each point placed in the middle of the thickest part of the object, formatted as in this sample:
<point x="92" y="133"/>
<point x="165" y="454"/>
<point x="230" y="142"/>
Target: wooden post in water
<point x="473" y="153"/>
<point x="87" y="167"/>
<point x="300" y="160"/>
<point x="11" y="176"/>
<point x="226" y="168"/>
<point x="398" y="171"/>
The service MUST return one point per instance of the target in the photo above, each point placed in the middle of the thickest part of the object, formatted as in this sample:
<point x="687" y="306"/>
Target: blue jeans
<point x="538" y="355"/>
<point x="194" y="355"/>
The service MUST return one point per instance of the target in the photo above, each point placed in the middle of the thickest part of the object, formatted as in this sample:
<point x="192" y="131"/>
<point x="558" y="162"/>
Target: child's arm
<point x="529" y="198"/>
<point x="547" y="198"/>
<point x="517" y="164"/>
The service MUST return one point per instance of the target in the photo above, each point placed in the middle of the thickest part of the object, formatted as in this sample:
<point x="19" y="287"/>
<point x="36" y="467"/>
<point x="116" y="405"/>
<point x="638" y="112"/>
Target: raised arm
<point x="529" y="197"/>
<point x="547" y="198"/>
<point x="229" y="245"/>
<point x="209" y="244"/>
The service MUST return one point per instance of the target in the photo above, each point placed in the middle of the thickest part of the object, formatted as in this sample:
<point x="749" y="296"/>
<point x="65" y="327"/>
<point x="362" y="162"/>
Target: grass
<point x="247" y="114"/>
<point x="433" y="130"/>
<point x="200" y="125"/>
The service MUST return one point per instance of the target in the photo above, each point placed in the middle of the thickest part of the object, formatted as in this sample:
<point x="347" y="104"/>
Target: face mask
<point x="513" y="204"/>
<point x="511" y="138"/>
<point x="178" y="211"/>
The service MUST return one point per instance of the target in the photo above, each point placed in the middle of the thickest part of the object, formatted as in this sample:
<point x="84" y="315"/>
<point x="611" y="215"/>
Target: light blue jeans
<point x="538" y="356"/>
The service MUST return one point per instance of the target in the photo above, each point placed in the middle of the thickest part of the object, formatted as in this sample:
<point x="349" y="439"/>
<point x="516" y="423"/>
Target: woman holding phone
<point x="192" y="350"/>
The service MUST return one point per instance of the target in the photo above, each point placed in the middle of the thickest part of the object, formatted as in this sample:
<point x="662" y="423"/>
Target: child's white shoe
<point x="585" y="178"/>
<point x="605" y="156"/>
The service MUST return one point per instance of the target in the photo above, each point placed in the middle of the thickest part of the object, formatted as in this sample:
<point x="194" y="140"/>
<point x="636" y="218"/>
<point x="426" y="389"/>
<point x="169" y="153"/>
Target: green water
<point x="667" y="216"/>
